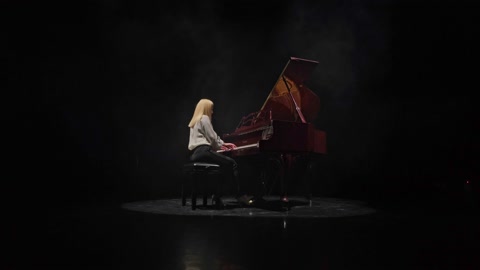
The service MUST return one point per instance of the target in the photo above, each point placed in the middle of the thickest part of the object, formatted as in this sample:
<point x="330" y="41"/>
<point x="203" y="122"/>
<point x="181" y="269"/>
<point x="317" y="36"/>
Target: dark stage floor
<point x="159" y="234"/>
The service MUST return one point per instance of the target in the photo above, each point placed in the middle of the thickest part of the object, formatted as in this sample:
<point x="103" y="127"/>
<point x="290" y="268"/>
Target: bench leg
<point x="204" y="183"/>
<point x="194" y="192"/>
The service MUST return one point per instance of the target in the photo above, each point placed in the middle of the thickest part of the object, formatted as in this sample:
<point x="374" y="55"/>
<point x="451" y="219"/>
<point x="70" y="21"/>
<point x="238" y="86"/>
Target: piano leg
<point x="298" y="169"/>
<point x="273" y="173"/>
<point x="304" y="166"/>
<point x="285" y="175"/>
<point x="270" y="173"/>
<point x="309" y="170"/>
<point x="267" y="173"/>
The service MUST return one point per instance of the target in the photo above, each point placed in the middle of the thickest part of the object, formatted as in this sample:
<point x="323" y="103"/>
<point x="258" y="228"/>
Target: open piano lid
<point x="280" y="102"/>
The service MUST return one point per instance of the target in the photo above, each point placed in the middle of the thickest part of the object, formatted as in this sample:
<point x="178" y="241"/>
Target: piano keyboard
<point x="253" y="145"/>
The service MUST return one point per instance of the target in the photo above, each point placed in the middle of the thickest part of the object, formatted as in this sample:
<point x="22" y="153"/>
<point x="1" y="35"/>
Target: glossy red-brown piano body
<point x="282" y="129"/>
<point x="286" y="137"/>
<point x="283" y="125"/>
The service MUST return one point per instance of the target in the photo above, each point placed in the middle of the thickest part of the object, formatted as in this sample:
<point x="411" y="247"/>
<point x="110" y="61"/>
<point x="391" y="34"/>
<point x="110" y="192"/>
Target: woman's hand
<point x="228" y="146"/>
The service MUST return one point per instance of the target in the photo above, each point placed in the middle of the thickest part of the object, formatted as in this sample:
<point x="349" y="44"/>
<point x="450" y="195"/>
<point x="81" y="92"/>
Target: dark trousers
<point x="228" y="165"/>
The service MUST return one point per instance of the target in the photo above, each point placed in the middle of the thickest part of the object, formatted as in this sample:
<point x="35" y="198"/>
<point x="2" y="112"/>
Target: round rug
<point x="297" y="207"/>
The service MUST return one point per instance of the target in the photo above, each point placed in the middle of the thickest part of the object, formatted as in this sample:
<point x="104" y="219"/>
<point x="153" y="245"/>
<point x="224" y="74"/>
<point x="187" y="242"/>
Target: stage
<point x="104" y="91"/>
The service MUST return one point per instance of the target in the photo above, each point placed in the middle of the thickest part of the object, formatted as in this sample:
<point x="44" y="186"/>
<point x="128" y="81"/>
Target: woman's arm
<point x="215" y="141"/>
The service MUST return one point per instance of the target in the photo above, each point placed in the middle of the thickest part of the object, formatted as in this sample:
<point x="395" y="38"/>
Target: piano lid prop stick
<point x="294" y="102"/>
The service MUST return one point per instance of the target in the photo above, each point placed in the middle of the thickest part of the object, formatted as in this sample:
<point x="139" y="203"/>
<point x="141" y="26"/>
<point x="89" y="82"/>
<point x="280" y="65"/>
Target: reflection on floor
<point x="121" y="237"/>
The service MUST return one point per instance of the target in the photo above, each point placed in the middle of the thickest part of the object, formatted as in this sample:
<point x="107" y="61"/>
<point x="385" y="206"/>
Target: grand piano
<point x="282" y="129"/>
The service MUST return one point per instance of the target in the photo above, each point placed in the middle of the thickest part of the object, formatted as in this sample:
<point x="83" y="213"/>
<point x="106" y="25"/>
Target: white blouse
<point x="203" y="134"/>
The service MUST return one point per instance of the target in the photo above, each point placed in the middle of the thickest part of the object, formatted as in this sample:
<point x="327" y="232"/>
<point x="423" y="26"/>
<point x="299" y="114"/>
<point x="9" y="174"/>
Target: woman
<point x="204" y="143"/>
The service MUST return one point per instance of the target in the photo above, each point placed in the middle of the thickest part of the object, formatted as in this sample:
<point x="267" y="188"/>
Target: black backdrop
<point x="103" y="91"/>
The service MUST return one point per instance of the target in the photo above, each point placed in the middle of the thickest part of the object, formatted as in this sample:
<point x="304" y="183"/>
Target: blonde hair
<point x="204" y="107"/>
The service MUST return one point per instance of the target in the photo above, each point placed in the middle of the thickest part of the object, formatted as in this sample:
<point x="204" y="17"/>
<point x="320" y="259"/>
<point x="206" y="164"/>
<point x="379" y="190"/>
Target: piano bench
<point x="199" y="173"/>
